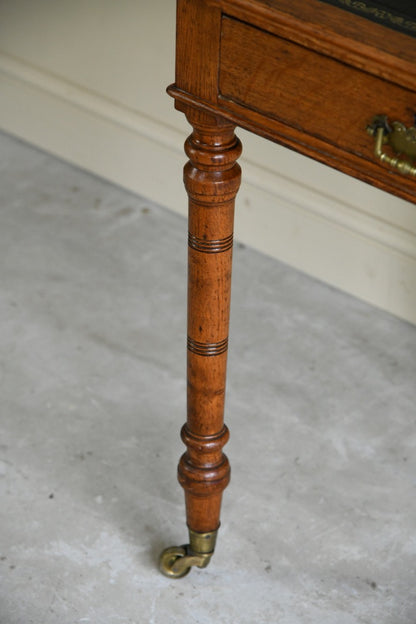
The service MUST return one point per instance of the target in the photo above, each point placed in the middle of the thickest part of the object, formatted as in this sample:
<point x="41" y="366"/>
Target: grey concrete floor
<point x="319" y="521"/>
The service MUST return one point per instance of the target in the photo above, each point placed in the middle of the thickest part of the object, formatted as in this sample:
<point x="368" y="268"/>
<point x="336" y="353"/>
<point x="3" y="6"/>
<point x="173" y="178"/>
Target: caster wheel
<point x="172" y="564"/>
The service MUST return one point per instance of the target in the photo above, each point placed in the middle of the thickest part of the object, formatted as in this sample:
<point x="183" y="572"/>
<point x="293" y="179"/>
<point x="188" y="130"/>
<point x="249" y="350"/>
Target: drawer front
<point x="307" y="100"/>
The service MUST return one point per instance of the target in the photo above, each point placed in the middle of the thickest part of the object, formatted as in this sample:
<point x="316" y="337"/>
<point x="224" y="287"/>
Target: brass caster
<point x="173" y="562"/>
<point x="176" y="562"/>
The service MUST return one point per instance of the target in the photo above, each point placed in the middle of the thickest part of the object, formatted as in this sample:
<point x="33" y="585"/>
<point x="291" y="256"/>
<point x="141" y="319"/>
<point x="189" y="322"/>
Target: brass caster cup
<point x="176" y="562"/>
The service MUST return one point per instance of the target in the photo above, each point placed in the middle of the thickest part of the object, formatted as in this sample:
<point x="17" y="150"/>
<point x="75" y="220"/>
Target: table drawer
<point x="306" y="93"/>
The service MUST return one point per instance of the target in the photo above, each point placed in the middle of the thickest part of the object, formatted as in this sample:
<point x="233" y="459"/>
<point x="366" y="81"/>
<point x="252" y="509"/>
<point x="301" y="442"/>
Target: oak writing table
<point x="332" y="79"/>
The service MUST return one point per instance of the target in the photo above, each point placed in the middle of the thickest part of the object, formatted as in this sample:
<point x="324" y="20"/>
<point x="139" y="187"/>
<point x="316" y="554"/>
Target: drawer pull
<point x="402" y="141"/>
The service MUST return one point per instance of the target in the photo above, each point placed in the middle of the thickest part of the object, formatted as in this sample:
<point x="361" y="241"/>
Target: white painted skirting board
<point x="331" y="239"/>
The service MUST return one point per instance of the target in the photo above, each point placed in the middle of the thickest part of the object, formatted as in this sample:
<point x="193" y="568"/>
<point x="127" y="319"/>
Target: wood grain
<point x="212" y="179"/>
<point x="304" y="74"/>
<point x="315" y="103"/>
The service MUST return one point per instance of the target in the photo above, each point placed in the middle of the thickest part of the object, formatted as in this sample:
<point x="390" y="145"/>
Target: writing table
<point x="332" y="79"/>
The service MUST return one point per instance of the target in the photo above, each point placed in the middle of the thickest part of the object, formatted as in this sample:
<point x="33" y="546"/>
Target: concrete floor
<point x="319" y="521"/>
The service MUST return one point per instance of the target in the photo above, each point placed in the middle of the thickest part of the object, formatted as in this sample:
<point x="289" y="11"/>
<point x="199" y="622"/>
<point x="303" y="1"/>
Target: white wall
<point x="85" y="79"/>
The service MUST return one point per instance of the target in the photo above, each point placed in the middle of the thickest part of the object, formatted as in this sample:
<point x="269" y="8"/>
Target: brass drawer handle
<point x="402" y="140"/>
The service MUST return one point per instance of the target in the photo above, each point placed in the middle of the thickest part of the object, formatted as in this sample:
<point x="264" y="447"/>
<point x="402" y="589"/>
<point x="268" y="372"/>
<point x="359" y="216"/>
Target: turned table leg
<point x="212" y="179"/>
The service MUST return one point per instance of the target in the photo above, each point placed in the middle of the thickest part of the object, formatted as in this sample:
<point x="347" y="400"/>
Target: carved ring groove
<point x="207" y="349"/>
<point x="210" y="246"/>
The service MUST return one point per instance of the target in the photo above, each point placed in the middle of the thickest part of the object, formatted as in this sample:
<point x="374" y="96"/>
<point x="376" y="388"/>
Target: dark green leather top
<point x="397" y="14"/>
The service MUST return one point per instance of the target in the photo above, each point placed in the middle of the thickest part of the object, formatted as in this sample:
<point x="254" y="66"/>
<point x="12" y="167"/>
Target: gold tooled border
<point x="396" y="21"/>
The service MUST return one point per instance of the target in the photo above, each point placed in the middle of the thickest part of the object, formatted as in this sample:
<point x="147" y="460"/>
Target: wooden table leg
<point x="212" y="178"/>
